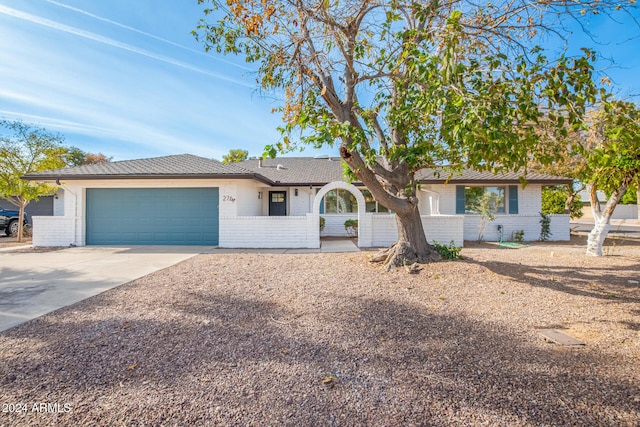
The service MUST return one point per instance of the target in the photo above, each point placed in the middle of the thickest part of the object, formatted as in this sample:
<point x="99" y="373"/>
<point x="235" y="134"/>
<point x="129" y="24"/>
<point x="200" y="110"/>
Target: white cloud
<point x="114" y="43"/>
<point x="144" y="33"/>
<point x="122" y="102"/>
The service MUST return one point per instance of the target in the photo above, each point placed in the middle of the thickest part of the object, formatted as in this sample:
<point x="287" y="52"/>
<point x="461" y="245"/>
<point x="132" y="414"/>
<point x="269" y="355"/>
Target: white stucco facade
<point x="244" y="220"/>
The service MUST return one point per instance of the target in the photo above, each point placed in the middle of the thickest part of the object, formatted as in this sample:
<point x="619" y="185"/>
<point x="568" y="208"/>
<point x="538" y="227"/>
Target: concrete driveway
<point x="33" y="284"/>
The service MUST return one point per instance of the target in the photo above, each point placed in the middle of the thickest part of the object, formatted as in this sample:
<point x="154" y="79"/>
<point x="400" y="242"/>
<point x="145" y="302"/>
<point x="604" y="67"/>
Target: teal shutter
<point x="321" y="202"/>
<point x="460" y="199"/>
<point x="513" y="199"/>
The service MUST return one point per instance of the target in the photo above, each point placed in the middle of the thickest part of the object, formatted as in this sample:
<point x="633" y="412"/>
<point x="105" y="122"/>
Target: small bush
<point x="487" y="206"/>
<point x="451" y="252"/>
<point x="351" y="225"/>
<point x="518" y="236"/>
<point x="545" y="227"/>
<point x="322" y="221"/>
<point x="554" y="199"/>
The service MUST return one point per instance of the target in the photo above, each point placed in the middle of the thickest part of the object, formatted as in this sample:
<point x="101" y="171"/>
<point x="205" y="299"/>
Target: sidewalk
<point x="327" y="245"/>
<point x="629" y="227"/>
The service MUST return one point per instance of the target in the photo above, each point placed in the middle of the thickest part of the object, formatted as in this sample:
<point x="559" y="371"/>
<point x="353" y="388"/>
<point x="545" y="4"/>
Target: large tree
<point x="235" y="155"/>
<point x="78" y="157"/>
<point x="403" y="85"/>
<point x="25" y="149"/>
<point x="569" y="163"/>
<point x="556" y="200"/>
<point x="611" y="149"/>
<point x="602" y="154"/>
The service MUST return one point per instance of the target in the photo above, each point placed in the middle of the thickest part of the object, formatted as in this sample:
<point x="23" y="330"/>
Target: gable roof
<point x="470" y="176"/>
<point x="281" y="171"/>
<point x="175" y="166"/>
<point x="297" y="170"/>
<point x="319" y="171"/>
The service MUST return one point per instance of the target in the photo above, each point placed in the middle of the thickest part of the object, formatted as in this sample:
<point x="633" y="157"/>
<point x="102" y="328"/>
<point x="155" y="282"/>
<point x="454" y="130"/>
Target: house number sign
<point x="228" y="199"/>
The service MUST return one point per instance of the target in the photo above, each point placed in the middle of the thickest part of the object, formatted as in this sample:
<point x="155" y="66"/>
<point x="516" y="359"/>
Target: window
<point x="340" y="201"/>
<point x="474" y="195"/>
<point x="371" y="205"/>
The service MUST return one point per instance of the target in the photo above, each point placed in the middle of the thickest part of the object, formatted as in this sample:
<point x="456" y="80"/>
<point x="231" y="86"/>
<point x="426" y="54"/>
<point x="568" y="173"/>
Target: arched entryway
<point x="364" y="223"/>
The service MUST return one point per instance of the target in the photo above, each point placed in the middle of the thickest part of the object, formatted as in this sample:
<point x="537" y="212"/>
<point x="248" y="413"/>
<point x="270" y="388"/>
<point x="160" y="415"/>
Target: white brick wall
<point x="438" y="228"/>
<point x="384" y="230"/>
<point x="560" y="228"/>
<point x="444" y="229"/>
<point x="528" y="223"/>
<point x="334" y="224"/>
<point x="52" y="231"/>
<point x="268" y="232"/>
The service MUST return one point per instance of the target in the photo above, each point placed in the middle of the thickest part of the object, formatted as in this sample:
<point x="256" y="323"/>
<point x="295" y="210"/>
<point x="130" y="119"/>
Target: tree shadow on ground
<point x="599" y="282"/>
<point x="241" y="359"/>
<point x="579" y="241"/>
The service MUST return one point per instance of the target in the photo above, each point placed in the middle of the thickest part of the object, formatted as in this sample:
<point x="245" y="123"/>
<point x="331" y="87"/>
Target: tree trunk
<point x="570" y="196"/>
<point x="412" y="245"/>
<point x="602" y="218"/>
<point x="398" y="194"/>
<point x="21" y="222"/>
<point x="597" y="236"/>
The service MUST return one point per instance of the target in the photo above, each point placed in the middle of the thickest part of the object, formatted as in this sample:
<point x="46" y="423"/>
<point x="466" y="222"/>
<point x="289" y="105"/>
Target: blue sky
<point x="127" y="78"/>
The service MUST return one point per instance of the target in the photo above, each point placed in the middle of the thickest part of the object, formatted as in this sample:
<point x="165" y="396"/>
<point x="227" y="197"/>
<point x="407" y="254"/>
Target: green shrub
<point x="554" y="199"/>
<point x="351" y="225"/>
<point x="451" y="252"/>
<point x="487" y="206"/>
<point x="545" y="226"/>
<point x="322" y="221"/>
<point x="630" y="196"/>
<point x="518" y="236"/>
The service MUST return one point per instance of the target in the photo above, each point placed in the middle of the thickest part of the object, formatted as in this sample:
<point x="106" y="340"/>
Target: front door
<point x="277" y="203"/>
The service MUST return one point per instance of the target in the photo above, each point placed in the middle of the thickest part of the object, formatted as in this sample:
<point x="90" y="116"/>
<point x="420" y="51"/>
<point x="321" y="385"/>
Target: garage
<point x="152" y="216"/>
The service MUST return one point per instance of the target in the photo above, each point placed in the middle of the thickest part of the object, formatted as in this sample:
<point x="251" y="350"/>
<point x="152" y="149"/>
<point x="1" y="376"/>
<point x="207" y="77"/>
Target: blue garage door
<point x="152" y="216"/>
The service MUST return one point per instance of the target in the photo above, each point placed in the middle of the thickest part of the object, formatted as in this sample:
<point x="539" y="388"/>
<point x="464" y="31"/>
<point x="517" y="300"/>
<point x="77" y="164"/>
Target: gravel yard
<point x="329" y="339"/>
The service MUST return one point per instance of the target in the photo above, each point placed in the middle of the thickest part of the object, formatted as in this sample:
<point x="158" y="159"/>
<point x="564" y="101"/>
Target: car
<point x="9" y="221"/>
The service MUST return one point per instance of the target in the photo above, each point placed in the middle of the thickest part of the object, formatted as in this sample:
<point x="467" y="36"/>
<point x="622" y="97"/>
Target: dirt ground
<point x="329" y="339"/>
<point x="8" y="241"/>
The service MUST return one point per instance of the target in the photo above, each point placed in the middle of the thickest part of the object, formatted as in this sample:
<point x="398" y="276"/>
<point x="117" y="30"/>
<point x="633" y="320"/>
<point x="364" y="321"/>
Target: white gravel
<point x="328" y="339"/>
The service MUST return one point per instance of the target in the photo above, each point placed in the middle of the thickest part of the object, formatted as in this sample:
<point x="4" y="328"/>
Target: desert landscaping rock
<point x="329" y="339"/>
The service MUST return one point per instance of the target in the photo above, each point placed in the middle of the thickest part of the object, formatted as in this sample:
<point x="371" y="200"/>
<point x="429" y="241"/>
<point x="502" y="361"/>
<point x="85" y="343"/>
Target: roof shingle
<point x="282" y="171"/>
<point x="180" y="165"/>
<point x="297" y="170"/>
<point x="439" y="176"/>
